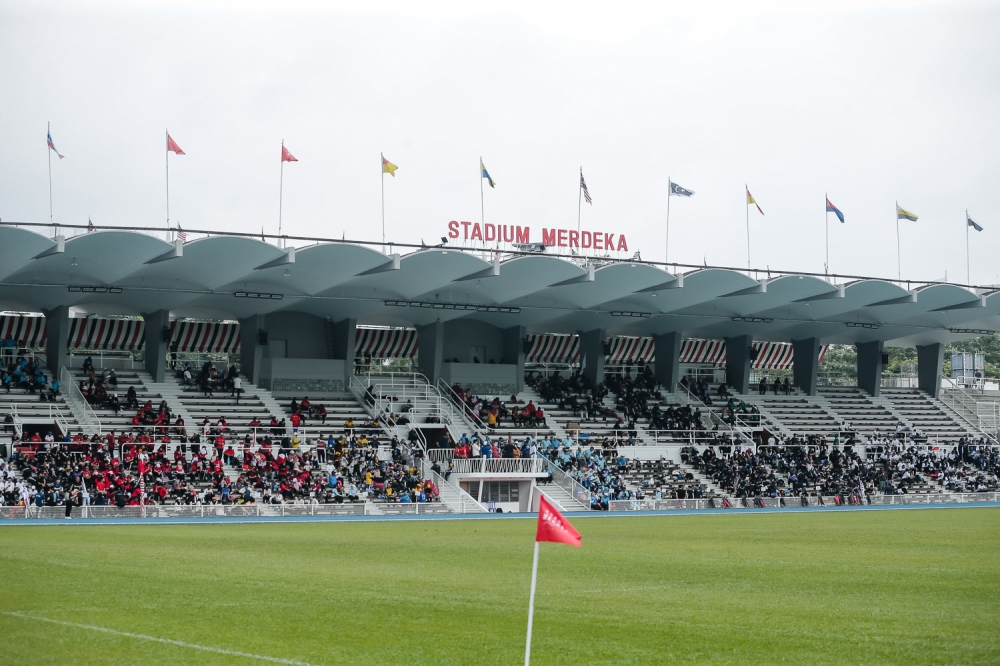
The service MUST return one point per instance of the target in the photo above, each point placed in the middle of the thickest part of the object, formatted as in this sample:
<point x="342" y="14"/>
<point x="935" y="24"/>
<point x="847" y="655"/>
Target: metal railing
<point x="457" y="499"/>
<point x="104" y="360"/>
<point x="477" y="424"/>
<point x="86" y="419"/>
<point x="827" y="501"/>
<point x="564" y="481"/>
<point x="283" y="510"/>
<point x="497" y="466"/>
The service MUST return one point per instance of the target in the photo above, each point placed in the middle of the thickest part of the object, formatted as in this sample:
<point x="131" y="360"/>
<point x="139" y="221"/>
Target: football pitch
<point x="866" y="587"/>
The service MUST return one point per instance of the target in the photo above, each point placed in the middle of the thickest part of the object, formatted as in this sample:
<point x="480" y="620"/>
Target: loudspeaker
<point x="526" y="346"/>
<point x="885" y="359"/>
<point x="165" y="334"/>
<point x="262" y="338"/>
<point x="606" y="347"/>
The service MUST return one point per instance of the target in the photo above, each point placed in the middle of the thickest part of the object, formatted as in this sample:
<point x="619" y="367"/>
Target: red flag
<point x="287" y="156"/>
<point x="172" y="145"/>
<point x="552" y="526"/>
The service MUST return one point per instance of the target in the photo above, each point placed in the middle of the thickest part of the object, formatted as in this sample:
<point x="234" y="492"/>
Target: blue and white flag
<point x="970" y="222"/>
<point x="677" y="190"/>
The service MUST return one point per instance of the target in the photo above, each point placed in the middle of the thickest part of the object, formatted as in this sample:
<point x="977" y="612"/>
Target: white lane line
<point x="191" y="646"/>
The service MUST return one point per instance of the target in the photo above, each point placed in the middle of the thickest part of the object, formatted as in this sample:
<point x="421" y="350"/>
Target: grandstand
<point x="458" y="388"/>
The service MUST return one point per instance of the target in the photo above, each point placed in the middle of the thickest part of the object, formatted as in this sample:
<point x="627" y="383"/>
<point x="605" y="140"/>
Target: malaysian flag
<point x="583" y="188"/>
<point x="181" y="234"/>
<point x="90" y="226"/>
<point x="52" y="146"/>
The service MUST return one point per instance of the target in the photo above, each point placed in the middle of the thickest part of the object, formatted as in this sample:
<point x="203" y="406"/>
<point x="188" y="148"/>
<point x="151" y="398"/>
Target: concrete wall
<point x="57" y="338"/>
<point x="930" y="365"/>
<point x="304" y="334"/>
<point x="155" y="346"/>
<point x="488" y="380"/>
<point x="462" y="337"/>
<point x="302" y="376"/>
<point x="870" y="366"/>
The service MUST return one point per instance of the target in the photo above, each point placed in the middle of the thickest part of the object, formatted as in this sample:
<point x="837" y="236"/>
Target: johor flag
<point x="287" y="156"/>
<point x="53" y="146"/>
<point x="830" y="208"/>
<point x="173" y="147"/>
<point x="552" y="526"/>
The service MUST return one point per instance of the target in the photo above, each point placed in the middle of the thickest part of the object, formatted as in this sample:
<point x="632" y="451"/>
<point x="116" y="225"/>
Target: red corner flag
<point x="552" y="526"/>
<point x="287" y="156"/>
<point x="172" y="146"/>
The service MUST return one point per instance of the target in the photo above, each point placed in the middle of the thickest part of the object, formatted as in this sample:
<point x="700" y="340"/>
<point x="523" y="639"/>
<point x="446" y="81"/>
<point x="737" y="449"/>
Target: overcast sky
<point x="868" y="101"/>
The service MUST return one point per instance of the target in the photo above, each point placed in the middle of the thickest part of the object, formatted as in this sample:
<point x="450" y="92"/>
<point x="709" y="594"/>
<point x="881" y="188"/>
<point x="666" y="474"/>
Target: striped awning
<point x="385" y="342"/>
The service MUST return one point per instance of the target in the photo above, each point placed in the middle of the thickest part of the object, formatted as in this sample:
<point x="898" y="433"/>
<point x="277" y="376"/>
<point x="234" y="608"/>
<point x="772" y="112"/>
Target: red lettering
<point x="562" y="237"/>
<point x="609" y="241"/>
<point x="598" y="239"/>
<point x="523" y="234"/>
<point x="491" y="231"/>
<point x="548" y="237"/>
<point x="453" y="229"/>
<point x="622" y="245"/>
<point x="477" y="233"/>
<point x="508" y="238"/>
<point x="585" y="239"/>
<point x="574" y="239"/>
<point x="465" y="227"/>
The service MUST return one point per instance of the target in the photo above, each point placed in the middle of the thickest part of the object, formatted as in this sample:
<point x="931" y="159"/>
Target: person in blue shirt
<point x="404" y="498"/>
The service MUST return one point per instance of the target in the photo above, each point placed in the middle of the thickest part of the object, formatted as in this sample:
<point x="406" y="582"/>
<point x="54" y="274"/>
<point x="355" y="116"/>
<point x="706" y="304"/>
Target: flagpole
<point x="281" y="187"/>
<point x="899" y="262"/>
<point x="167" y="158"/>
<point x="827" y="209"/>
<point x="579" y="200"/>
<point x="746" y="195"/>
<point x="968" y="265"/>
<point x="482" y="206"/>
<point x="48" y="129"/>
<point x="382" y="168"/>
<point x="531" y="605"/>
<point x="666" y="251"/>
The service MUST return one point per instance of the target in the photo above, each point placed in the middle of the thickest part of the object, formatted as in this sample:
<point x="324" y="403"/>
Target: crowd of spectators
<point x="496" y="413"/>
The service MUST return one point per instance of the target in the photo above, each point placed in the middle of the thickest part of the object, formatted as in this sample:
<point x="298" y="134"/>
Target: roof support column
<point x="592" y="356"/>
<point x="513" y="352"/>
<point x="251" y="349"/>
<point x="56" y="338"/>
<point x="805" y="364"/>
<point x="430" y="349"/>
<point x="155" y="348"/>
<point x="667" y="363"/>
<point x="930" y="365"/>
<point x="344" y="338"/>
<point x="738" y="362"/>
<point x="870" y="366"/>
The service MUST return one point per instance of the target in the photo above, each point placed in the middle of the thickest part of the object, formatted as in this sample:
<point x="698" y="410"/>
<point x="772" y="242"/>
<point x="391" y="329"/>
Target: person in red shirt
<point x="296" y="420"/>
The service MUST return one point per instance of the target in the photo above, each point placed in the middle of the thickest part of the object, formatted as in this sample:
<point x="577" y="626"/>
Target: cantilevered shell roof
<point x="547" y="294"/>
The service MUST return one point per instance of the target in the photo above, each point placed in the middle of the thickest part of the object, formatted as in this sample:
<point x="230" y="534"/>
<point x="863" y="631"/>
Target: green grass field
<point x="885" y="587"/>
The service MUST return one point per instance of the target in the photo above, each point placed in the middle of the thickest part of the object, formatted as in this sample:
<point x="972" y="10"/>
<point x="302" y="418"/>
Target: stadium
<point x="511" y="393"/>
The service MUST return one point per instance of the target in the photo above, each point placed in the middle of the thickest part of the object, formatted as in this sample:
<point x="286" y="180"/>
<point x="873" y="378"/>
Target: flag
<point x="751" y="200"/>
<point x="830" y="208"/>
<point x="586" y="192"/>
<point x="181" y="234"/>
<point x="172" y="146"/>
<point x="90" y="226"/>
<point x="388" y="167"/>
<point x="52" y="146"/>
<point x="971" y="223"/>
<point x="552" y="526"/>
<point x="678" y="191"/>
<point x="486" y="174"/>
<point x="287" y="156"/>
<point x="904" y="214"/>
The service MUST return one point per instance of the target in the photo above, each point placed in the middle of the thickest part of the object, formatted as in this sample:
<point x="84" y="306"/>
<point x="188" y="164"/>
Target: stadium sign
<point x="508" y="233"/>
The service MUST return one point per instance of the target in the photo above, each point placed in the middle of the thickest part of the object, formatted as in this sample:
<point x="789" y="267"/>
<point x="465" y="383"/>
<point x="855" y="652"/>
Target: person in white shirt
<point x="237" y="388"/>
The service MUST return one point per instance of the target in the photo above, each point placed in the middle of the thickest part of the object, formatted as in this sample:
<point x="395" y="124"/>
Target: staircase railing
<point x="471" y="420"/>
<point x="456" y="498"/>
<point x="959" y="401"/>
<point x="563" y="480"/>
<point x="88" y="421"/>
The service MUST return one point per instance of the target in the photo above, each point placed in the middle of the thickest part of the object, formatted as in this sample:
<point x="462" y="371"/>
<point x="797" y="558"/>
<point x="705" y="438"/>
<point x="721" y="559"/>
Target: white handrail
<point x="85" y="417"/>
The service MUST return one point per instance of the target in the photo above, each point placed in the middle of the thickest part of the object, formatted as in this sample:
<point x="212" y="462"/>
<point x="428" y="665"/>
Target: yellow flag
<point x="388" y="167"/>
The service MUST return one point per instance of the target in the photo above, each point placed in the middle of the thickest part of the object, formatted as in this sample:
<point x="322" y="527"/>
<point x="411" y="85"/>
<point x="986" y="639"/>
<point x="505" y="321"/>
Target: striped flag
<point x="52" y="146"/>
<point x="90" y="226"/>
<point x="751" y="200"/>
<point x="583" y="188"/>
<point x="181" y="234"/>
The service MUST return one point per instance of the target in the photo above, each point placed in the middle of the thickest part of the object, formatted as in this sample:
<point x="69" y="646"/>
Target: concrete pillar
<point x="870" y="366"/>
<point x="430" y="350"/>
<point x="155" y="347"/>
<point x="513" y="352"/>
<point x="805" y="359"/>
<point x="667" y="364"/>
<point x="592" y="351"/>
<point x="56" y="338"/>
<point x="344" y="338"/>
<point x="251" y="351"/>
<point x="738" y="362"/>
<point x="930" y="365"/>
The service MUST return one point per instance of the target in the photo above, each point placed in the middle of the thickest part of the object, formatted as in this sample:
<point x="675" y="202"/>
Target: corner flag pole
<point x="531" y="605"/>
